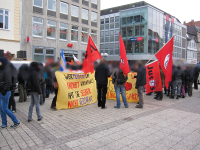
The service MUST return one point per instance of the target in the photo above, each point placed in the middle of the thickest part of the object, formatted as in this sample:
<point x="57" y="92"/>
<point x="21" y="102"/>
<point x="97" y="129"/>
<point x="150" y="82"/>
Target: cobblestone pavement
<point x="160" y="125"/>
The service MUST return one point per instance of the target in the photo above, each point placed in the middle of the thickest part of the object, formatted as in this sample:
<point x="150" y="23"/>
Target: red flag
<point x="123" y="58"/>
<point x="153" y="77"/>
<point x="164" y="57"/>
<point x="92" y="54"/>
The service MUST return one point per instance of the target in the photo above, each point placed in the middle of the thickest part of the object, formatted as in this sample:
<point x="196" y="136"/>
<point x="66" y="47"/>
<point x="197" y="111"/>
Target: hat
<point x="3" y="61"/>
<point x="8" y="55"/>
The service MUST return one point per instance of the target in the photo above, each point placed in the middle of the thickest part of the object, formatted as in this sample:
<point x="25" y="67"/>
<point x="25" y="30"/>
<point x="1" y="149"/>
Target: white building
<point x="192" y="49"/>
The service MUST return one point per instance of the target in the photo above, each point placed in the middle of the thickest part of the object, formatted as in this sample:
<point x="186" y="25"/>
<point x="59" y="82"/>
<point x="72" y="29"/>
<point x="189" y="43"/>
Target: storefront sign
<point x="136" y="39"/>
<point x="154" y="39"/>
<point x="69" y="45"/>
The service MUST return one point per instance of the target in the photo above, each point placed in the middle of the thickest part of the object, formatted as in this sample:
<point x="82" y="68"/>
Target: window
<point x="111" y="32"/>
<point x="74" y="33"/>
<point x="94" y="36"/>
<point x="75" y="11"/>
<point x="63" y="31"/>
<point x="106" y="33"/>
<point x="117" y="19"/>
<point x="52" y="5"/>
<point x="102" y="33"/>
<point x="106" y="20"/>
<point x="111" y="19"/>
<point x="84" y="35"/>
<point x="102" y="21"/>
<point x="85" y="14"/>
<point x="64" y="8"/>
<point x="94" y="1"/>
<point x="93" y="16"/>
<point x="38" y="3"/>
<point x="4" y="17"/>
<point x="51" y="29"/>
<point x="37" y="26"/>
<point x="117" y="32"/>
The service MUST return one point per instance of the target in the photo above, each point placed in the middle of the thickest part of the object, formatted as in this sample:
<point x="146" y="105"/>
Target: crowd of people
<point x="38" y="81"/>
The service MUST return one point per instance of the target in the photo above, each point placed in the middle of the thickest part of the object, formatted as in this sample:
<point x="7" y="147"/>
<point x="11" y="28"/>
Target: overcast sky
<point x="183" y="10"/>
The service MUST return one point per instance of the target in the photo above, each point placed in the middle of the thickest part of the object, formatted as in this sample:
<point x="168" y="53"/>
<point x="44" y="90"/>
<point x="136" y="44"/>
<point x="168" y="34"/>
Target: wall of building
<point x="56" y="43"/>
<point x="9" y="38"/>
<point x="192" y="23"/>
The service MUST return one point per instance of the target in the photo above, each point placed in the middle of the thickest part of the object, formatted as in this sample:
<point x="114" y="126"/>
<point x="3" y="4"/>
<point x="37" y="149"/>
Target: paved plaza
<point x="160" y="125"/>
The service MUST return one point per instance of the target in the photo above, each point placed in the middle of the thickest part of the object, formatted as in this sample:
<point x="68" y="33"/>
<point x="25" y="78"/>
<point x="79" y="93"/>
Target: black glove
<point x="4" y="92"/>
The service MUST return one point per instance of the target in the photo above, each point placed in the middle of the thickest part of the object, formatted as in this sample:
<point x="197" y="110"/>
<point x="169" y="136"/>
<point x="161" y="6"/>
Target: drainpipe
<point x="20" y="25"/>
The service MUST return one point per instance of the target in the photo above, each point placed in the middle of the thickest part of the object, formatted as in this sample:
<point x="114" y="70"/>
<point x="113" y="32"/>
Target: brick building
<point x="192" y="23"/>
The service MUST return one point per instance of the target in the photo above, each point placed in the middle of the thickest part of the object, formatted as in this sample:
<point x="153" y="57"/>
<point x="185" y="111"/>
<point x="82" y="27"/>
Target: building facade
<point x="144" y="30"/>
<point x="192" y="23"/>
<point x="48" y="26"/>
<point x="10" y="26"/>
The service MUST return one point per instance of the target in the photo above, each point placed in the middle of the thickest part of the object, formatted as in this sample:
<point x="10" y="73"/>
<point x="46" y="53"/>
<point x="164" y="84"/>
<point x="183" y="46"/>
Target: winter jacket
<point x="178" y="73"/>
<point x="23" y="74"/>
<point x="141" y="76"/>
<point x="5" y="78"/>
<point x="34" y="78"/>
<point x="189" y="75"/>
<point x="196" y="72"/>
<point x="115" y="77"/>
<point x="102" y="74"/>
<point x="13" y="76"/>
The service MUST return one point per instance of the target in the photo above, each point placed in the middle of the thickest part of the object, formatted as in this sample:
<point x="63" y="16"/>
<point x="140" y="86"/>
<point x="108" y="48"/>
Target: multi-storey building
<point x="48" y="26"/>
<point x="144" y="29"/>
<point x="9" y="26"/>
<point x="192" y="23"/>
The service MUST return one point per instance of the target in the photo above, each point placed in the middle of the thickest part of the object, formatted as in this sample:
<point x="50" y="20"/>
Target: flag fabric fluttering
<point x="92" y="54"/>
<point x="154" y="83"/>
<point x="164" y="57"/>
<point x="123" y="58"/>
<point x="62" y="62"/>
<point x="76" y="60"/>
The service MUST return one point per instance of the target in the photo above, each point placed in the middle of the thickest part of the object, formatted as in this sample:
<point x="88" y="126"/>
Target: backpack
<point x="121" y="78"/>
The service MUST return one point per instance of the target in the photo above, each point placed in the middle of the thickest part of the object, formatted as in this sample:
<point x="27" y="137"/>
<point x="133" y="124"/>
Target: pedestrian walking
<point x="196" y="76"/>
<point x="119" y="80"/>
<point x="36" y="92"/>
<point x="189" y="80"/>
<point x="5" y="85"/>
<point x="140" y="83"/>
<point x="42" y="84"/>
<point x="101" y="76"/>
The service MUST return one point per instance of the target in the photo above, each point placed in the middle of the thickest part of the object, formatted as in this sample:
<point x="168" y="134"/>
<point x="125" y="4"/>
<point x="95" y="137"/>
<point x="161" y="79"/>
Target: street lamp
<point x="104" y="55"/>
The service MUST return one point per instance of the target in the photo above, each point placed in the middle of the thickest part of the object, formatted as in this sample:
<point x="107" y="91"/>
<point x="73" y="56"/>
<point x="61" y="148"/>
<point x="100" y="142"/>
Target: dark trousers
<point x="53" y="104"/>
<point x="48" y="90"/>
<point x="189" y="86"/>
<point x="159" y="95"/>
<point x="102" y="96"/>
<point x="195" y="84"/>
<point x="12" y="102"/>
<point x="22" y="93"/>
<point x="43" y="96"/>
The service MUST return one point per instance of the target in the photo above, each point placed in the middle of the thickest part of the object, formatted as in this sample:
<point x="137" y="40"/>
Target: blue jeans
<point x="119" y="89"/>
<point x="4" y="100"/>
<point x="177" y="84"/>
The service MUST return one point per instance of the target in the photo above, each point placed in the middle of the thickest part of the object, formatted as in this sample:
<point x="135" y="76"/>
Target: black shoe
<point x="104" y="107"/>
<point x="138" y="106"/>
<point x="155" y="97"/>
<point x="53" y="107"/>
<point x="15" y="125"/>
<point x="138" y="102"/>
<point x="167" y="95"/>
<point x="177" y="97"/>
<point x="159" y="99"/>
<point x="171" y="97"/>
<point x="126" y="106"/>
<point x="116" y="107"/>
<point x="1" y="127"/>
<point x="30" y="120"/>
<point x="40" y="119"/>
<point x="183" y="96"/>
<point x="99" y="106"/>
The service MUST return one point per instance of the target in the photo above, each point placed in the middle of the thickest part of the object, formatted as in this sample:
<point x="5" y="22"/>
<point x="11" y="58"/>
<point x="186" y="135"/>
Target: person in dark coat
<point x="189" y="75"/>
<point x="43" y="84"/>
<point x="140" y="83"/>
<point x="196" y="75"/>
<point x="23" y="76"/>
<point x="36" y="91"/>
<point x="101" y="76"/>
<point x="5" y="86"/>
<point x="183" y="85"/>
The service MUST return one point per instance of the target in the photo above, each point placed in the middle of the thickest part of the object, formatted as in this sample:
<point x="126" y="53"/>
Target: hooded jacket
<point x="178" y="73"/>
<point x="34" y="77"/>
<point x="141" y="76"/>
<point x="23" y="74"/>
<point x="5" y="75"/>
<point x="102" y="74"/>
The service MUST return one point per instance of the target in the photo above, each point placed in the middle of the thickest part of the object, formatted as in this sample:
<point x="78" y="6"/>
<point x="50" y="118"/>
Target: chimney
<point x="184" y="23"/>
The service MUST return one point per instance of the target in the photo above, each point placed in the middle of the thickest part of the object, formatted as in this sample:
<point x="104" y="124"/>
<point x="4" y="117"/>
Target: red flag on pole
<point x="92" y="54"/>
<point x="153" y="77"/>
<point x="164" y="57"/>
<point x="123" y="58"/>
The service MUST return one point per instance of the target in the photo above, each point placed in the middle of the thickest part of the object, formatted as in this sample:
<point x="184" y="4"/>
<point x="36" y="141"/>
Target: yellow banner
<point x="75" y="90"/>
<point x="131" y="92"/>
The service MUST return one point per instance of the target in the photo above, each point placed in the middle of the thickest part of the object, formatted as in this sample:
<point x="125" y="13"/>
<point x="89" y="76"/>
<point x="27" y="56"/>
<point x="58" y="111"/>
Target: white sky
<point x="181" y="9"/>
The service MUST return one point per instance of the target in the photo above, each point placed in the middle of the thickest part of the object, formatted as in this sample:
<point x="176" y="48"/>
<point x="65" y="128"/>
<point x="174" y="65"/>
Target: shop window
<point x="137" y="30"/>
<point x="4" y="19"/>
<point x="84" y="35"/>
<point x="37" y="26"/>
<point x="129" y="31"/>
<point x="51" y="29"/>
<point x="124" y="32"/>
<point x="74" y="33"/>
<point x="63" y="31"/>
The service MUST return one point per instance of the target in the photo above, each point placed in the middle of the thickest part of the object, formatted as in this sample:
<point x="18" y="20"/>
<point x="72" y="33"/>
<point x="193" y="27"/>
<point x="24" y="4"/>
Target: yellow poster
<point x="75" y="90"/>
<point x="131" y="92"/>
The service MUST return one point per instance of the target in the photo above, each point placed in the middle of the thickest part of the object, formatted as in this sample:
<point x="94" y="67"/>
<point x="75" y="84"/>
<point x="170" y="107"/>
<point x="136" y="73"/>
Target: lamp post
<point x="104" y="55"/>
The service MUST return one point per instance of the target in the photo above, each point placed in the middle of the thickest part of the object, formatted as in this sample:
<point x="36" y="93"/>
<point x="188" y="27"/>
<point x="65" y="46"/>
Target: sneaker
<point x="116" y="107"/>
<point x="14" y="111"/>
<point x="1" y="127"/>
<point x="15" y="125"/>
<point x="40" y="119"/>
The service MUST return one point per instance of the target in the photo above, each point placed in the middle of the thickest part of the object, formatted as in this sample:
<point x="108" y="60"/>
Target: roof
<point x="193" y="30"/>
<point x="128" y="6"/>
<point x="191" y="36"/>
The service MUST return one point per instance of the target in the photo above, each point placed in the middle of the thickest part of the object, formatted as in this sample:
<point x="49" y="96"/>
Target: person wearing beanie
<point x="35" y="87"/>
<point x="5" y="93"/>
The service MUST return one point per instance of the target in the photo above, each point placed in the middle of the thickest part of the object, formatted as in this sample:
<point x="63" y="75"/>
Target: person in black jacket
<point x="183" y="85"/>
<point x="36" y="91"/>
<point x="5" y="86"/>
<point x="189" y="76"/>
<point x="196" y="75"/>
<point x="101" y="76"/>
<point x="42" y="84"/>
<point x="177" y="75"/>
<point x="140" y="83"/>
